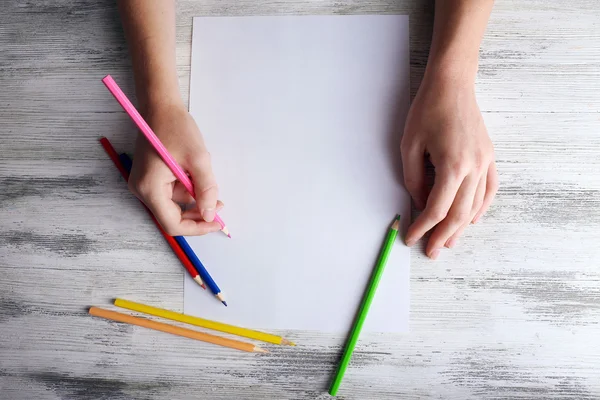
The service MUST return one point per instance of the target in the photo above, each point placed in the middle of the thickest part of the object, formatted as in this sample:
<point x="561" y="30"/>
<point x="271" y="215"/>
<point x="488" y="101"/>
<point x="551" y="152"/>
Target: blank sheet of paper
<point x="303" y="117"/>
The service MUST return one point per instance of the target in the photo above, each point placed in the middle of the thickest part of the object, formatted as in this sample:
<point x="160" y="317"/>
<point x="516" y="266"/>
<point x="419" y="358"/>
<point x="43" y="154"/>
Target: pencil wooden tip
<point x="286" y="342"/>
<point x="221" y="298"/>
<point x="226" y="231"/>
<point x="260" y="350"/>
<point x="396" y="223"/>
<point x="199" y="282"/>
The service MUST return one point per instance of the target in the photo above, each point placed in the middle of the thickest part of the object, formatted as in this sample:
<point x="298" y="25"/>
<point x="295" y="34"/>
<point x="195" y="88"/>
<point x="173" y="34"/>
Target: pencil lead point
<point x="229" y="235"/>
<point x="224" y="303"/>
<point x="198" y="280"/>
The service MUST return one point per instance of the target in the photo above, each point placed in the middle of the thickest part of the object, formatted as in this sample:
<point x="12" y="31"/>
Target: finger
<point x="459" y="214"/>
<point x="181" y="195"/>
<point x="196" y="215"/>
<point x="477" y="203"/>
<point x="439" y="202"/>
<point x="413" y="166"/>
<point x="205" y="186"/>
<point x="479" y="196"/>
<point x="188" y="227"/>
<point x="168" y="214"/>
<point x="490" y="192"/>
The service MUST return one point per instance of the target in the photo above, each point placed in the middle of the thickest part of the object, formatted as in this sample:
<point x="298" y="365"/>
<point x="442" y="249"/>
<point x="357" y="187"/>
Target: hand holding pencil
<point x="125" y="169"/>
<point x="178" y="243"/>
<point x="153" y="181"/>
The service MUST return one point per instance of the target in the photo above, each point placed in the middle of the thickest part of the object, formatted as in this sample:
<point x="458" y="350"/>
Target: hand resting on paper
<point x="154" y="183"/>
<point x="445" y="123"/>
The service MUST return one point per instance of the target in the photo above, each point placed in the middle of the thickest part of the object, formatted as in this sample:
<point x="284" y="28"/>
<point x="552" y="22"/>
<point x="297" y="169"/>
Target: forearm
<point x="149" y="27"/>
<point x="458" y="29"/>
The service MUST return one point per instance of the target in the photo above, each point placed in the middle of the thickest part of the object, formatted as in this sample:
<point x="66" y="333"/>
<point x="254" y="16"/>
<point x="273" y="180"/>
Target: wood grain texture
<point x="513" y="312"/>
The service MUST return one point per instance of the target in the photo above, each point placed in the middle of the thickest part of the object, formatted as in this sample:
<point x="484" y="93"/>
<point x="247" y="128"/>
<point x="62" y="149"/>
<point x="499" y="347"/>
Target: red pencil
<point x="172" y="242"/>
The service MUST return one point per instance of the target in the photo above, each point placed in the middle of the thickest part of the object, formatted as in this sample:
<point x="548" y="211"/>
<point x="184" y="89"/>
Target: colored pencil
<point x="365" y="305"/>
<point x="201" y="322"/>
<point x="172" y="242"/>
<point x="175" y="330"/>
<point x="162" y="151"/>
<point x="212" y="285"/>
<point x="187" y="249"/>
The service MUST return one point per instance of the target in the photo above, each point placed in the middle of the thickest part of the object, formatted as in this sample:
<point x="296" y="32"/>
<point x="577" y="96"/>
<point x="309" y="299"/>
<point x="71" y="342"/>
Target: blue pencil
<point x="208" y="280"/>
<point x="187" y="249"/>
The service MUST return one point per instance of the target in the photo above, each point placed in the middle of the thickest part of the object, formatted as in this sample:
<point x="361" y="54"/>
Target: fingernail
<point x="476" y="219"/>
<point x="410" y="242"/>
<point x="208" y="214"/>
<point x="434" y="254"/>
<point x="451" y="243"/>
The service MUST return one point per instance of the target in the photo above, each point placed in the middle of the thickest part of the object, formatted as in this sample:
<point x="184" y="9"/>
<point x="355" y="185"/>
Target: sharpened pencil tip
<point x="198" y="280"/>
<point x="229" y="235"/>
<point x="397" y="217"/>
<point x="225" y="230"/>
<point x="224" y="303"/>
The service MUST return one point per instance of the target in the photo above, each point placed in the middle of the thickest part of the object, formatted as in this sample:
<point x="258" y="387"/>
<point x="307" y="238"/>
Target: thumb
<point x="205" y="187"/>
<point x="413" y="165"/>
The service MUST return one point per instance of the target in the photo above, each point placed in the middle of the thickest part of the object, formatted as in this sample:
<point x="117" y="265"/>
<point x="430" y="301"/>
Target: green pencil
<point x="364" y="306"/>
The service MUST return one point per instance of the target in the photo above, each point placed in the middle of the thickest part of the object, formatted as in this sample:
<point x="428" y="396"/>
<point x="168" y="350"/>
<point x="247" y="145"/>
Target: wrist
<point x="452" y="72"/>
<point x="156" y="84"/>
<point x="154" y="98"/>
<point x="164" y="108"/>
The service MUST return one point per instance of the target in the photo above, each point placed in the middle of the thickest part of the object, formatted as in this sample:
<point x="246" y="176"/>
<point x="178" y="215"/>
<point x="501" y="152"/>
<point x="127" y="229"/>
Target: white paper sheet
<point x="303" y="117"/>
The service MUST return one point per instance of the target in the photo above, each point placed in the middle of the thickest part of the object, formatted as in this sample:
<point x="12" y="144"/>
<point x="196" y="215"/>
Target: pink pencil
<point x="155" y="141"/>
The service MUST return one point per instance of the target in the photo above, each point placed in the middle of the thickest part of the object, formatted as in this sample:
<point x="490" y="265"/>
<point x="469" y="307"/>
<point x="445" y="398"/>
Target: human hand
<point x="444" y="122"/>
<point x="154" y="183"/>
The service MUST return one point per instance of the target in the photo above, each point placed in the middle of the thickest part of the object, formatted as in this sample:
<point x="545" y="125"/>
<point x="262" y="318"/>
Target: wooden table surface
<point x="513" y="312"/>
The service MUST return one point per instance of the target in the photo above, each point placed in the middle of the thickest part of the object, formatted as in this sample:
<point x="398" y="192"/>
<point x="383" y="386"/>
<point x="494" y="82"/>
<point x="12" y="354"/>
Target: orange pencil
<point x="175" y="330"/>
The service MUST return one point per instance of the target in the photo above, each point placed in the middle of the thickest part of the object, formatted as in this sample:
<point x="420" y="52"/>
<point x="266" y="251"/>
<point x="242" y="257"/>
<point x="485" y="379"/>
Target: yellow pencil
<point x="204" y="323"/>
<point x="175" y="330"/>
